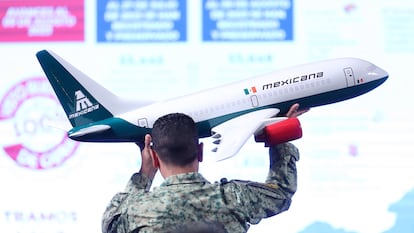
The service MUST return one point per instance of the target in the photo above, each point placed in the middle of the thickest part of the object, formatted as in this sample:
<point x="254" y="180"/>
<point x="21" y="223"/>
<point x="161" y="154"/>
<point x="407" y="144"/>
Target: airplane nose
<point x="375" y="72"/>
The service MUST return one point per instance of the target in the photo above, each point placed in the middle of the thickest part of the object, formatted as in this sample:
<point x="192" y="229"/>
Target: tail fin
<point x="83" y="100"/>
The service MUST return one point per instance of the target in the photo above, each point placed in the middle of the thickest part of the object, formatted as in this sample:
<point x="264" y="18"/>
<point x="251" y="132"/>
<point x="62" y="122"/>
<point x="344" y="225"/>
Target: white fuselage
<point x="288" y="85"/>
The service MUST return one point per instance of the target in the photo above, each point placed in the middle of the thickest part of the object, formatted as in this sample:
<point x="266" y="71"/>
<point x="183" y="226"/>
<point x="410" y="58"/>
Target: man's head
<point x="175" y="139"/>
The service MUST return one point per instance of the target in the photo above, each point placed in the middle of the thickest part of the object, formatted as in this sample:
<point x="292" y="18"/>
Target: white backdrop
<point x="355" y="173"/>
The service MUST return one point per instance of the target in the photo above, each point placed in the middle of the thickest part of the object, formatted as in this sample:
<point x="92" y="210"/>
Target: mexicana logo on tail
<point x="83" y="105"/>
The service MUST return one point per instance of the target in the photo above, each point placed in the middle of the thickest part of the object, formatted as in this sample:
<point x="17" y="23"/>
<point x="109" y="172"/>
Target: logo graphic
<point x="248" y="91"/>
<point x="26" y="111"/>
<point x="83" y="105"/>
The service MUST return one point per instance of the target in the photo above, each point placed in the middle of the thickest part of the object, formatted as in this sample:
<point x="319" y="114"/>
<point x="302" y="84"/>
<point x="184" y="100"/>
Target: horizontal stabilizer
<point x="89" y="130"/>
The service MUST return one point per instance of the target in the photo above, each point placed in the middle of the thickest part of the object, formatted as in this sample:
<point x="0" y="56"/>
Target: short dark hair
<point x="175" y="139"/>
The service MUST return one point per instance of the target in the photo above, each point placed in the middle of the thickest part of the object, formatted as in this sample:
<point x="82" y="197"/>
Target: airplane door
<point x="350" y="78"/>
<point x="142" y="122"/>
<point x="255" y="101"/>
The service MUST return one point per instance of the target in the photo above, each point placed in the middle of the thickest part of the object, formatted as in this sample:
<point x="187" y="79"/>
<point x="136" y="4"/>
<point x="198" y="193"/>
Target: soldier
<point x="186" y="196"/>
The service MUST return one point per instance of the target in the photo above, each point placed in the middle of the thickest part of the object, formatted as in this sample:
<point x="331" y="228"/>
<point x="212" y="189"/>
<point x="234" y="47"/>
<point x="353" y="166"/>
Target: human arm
<point x="261" y="200"/>
<point x="282" y="159"/>
<point x="147" y="166"/>
<point x="282" y="174"/>
<point x="143" y="179"/>
<point x="139" y="182"/>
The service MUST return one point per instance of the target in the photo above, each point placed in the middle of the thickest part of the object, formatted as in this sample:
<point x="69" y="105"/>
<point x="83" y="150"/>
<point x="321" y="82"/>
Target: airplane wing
<point x="231" y="135"/>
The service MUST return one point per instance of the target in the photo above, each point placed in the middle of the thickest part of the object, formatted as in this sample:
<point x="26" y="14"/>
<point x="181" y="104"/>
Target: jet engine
<point x="280" y="132"/>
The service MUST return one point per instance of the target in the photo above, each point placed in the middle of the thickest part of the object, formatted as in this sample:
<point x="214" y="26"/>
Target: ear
<point x="200" y="152"/>
<point x="155" y="159"/>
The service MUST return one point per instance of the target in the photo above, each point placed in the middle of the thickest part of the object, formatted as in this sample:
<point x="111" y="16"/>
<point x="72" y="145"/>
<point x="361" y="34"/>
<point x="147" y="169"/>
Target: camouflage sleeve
<point x="282" y="171"/>
<point x="256" y="200"/>
<point x="137" y="183"/>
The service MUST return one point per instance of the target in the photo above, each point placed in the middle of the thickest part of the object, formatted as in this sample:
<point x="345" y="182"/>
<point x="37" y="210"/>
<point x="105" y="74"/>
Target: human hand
<point x="293" y="111"/>
<point x="147" y="166"/>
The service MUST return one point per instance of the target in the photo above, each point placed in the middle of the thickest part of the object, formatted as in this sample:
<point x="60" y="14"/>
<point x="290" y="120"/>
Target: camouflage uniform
<point x="190" y="198"/>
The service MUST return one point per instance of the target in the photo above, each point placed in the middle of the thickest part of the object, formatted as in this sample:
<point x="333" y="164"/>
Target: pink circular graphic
<point x="28" y="106"/>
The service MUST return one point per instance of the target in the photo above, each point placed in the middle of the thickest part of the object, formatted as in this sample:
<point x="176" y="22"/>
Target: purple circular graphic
<point x="32" y="143"/>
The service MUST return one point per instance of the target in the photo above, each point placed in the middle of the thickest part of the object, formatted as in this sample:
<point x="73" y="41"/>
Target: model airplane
<point x="229" y="114"/>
